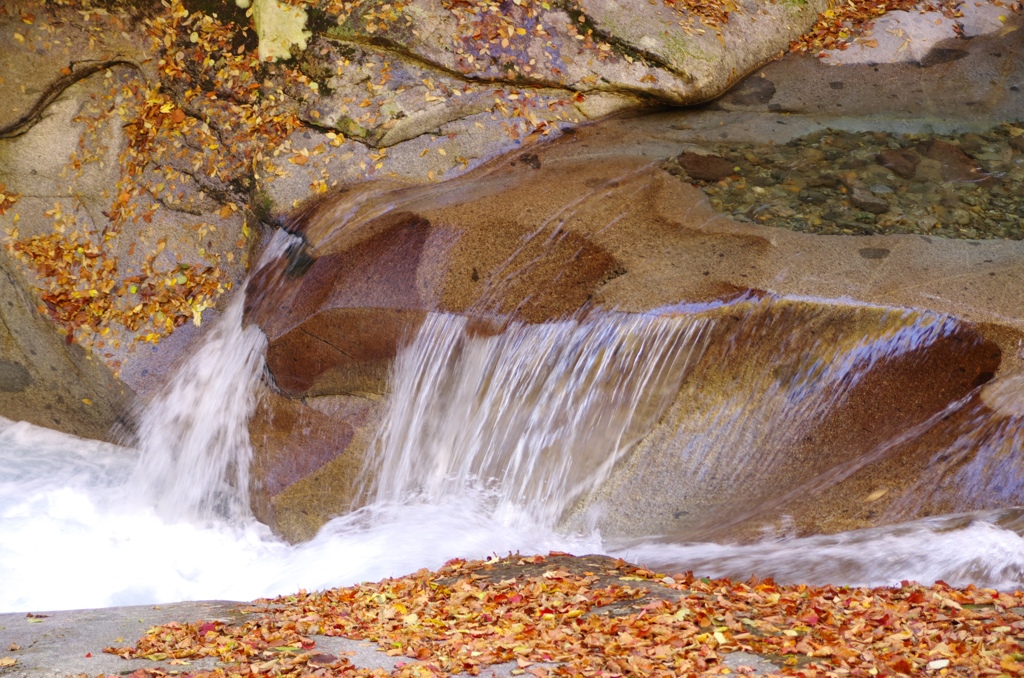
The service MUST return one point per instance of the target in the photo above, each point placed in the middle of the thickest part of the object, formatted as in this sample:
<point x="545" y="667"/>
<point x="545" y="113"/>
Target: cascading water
<point x="537" y="415"/>
<point x="194" y="436"/>
<point x="793" y="382"/>
<point x="491" y="443"/>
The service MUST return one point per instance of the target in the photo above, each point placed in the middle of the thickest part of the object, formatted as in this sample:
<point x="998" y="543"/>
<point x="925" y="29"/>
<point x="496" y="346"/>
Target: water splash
<point x="194" y="436"/>
<point x="537" y="415"/>
<point x="66" y="542"/>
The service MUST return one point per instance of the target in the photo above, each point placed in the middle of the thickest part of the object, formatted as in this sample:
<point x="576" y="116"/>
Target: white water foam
<point x="957" y="549"/>
<point x="195" y="436"/>
<point x="69" y="539"/>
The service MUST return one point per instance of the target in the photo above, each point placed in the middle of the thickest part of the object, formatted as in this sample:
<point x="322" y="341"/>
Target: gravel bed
<point x="831" y="182"/>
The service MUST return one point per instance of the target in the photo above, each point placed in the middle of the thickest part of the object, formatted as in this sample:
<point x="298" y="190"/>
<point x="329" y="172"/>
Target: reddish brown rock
<point x="705" y="167"/>
<point x="956" y="165"/>
<point x="298" y="446"/>
<point x="902" y="162"/>
<point x="340" y="350"/>
<point x="581" y="234"/>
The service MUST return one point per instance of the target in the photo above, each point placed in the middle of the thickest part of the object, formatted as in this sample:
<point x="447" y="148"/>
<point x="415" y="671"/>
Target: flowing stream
<point x="489" y="443"/>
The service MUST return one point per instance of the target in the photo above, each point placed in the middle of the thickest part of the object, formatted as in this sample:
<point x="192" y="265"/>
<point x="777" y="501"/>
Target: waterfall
<point x="193" y="436"/>
<point x="491" y="443"/>
<point x="537" y="416"/>
<point x="729" y="455"/>
<point x="502" y="436"/>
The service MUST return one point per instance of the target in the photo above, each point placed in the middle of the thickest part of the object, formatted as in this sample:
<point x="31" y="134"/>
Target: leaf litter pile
<point x="596" y="616"/>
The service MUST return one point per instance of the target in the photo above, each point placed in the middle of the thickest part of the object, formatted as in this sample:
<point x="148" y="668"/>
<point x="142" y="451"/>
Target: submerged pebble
<point x="968" y="186"/>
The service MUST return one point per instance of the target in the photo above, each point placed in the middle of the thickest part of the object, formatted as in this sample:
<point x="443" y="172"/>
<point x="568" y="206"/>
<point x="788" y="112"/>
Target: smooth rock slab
<point x="59" y="644"/>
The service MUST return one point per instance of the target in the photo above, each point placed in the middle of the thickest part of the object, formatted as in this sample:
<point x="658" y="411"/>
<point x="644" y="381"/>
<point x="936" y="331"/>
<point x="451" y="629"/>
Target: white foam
<point x="499" y="417"/>
<point x="68" y="541"/>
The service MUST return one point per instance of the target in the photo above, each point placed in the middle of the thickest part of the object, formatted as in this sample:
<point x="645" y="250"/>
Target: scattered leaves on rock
<point x="86" y="294"/>
<point x="595" y="616"/>
<point x="7" y="199"/>
<point x="205" y="120"/>
<point x="838" y="26"/>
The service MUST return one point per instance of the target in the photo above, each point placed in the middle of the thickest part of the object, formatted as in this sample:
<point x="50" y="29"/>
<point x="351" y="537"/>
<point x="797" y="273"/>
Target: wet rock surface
<point x="182" y="145"/>
<point x="490" y="259"/>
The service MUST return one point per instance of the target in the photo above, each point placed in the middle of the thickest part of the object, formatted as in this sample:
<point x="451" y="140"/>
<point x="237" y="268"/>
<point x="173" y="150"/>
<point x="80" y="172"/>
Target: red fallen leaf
<point x="901" y="665"/>
<point x="916" y="598"/>
<point x="88" y="655"/>
<point x="809" y="619"/>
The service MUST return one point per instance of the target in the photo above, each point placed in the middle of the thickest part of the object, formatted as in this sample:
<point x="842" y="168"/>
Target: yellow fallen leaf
<point x="876" y="495"/>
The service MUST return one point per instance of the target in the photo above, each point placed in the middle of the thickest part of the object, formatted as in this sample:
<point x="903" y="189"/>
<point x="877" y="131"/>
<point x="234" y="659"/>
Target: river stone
<point x="649" y="48"/>
<point x="901" y="161"/>
<point x="474" y="90"/>
<point x="956" y="165"/>
<point x="705" y="167"/>
<point x="868" y="201"/>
